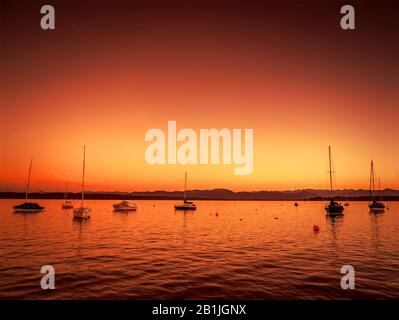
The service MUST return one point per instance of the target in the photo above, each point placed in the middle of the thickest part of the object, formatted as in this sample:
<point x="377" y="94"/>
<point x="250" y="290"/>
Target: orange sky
<point x="108" y="74"/>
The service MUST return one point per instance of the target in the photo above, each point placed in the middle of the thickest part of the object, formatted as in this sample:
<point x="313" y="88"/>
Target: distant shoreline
<point x="203" y="195"/>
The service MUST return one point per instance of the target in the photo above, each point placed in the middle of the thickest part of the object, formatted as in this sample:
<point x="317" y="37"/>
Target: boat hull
<point x="334" y="214"/>
<point x="185" y="208"/>
<point x="27" y="210"/>
<point x="125" y="209"/>
<point x="377" y="210"/>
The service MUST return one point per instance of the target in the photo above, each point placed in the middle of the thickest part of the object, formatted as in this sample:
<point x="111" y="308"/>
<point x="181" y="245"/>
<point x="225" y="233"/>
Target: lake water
<point x="249" y="250"/>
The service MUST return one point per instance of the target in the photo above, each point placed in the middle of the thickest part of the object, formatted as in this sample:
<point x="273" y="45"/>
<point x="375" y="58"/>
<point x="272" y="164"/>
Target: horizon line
<point x="214" y="189"/>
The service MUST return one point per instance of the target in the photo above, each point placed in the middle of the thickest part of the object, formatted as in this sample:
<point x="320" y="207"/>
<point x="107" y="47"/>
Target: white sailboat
<point x="67" y="204"/>
<point x="82" y="212"/>
<point x="333" y="208"/>
<point x="374" y="205"/>
<point x="28" y="206"/>
<point x="186" y="205"/>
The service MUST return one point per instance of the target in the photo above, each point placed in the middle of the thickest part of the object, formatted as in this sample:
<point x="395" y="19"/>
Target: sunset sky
<point x="111" y="70"/>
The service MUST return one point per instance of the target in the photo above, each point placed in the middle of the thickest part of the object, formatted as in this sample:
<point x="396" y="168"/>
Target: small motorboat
<point x="346" y="204"/>
<point x="334" y="208"/>
<point x="81" y="212"/>
<point x="186" y="205"/>
<point x="67" y="205"/>
<point x="125" y="206"/>
<point x="296" y="204"/>
<point x="28" y="207"/>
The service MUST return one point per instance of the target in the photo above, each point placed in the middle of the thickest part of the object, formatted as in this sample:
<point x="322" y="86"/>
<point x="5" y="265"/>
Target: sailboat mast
<point x="66" y="191"/>
<point x="83" y="174"/>
<point x="371" y="168"/>
<point x="329" y="158"/>
<point x="27" y="185"/>
<point x="185" y="185"/>
<point x="372" y="195"/>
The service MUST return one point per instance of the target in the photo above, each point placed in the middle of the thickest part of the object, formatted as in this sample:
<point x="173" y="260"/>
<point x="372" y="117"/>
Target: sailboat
<point x="28" y="206"/>
<point x="374" y="205"/>
<point x="82" y="212"/>
<point x="296" y="204"/>
<point x="67" y="204"/>
<point x="346" y="203"/>
<point x="186" y="205"/>
<point x="333" y="208"/>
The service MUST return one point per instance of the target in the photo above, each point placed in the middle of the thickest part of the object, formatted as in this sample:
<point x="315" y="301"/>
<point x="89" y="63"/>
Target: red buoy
<point x="316" y="228"/>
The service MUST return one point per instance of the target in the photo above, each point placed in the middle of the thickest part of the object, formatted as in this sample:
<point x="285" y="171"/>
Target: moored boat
<point x="82" y="212"/>
<point x="333" y="208"/>
<point x="346" y="203"/>
<point x="374" y="205"/>
<point x="28" y="207"/>
<point x="67" y="204"/>
<point x="125" y="206"/>
<point x="186" y="205"/>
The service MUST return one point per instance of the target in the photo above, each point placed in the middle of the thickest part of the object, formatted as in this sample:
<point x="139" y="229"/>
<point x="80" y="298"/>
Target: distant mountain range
<point x="214" y="194"/>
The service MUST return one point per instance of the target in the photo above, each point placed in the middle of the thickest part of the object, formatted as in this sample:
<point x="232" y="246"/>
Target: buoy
<point x="316" y="228"/>
<point x="217" y="214"/>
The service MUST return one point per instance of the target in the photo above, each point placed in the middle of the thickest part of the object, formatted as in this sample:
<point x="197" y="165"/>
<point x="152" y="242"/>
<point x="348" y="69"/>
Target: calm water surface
<point x="250" y="250"/>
